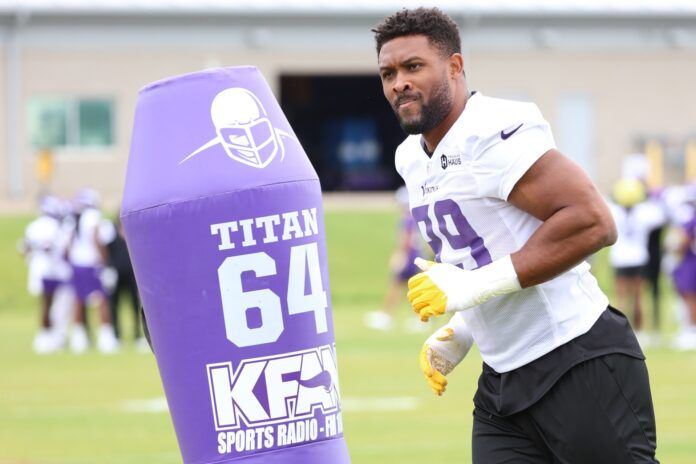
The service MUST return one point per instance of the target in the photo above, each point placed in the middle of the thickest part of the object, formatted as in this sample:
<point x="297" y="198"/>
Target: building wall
<point x="633" y="92"/>
<point x="116" y="75"/>
<point x="120" y="75"/>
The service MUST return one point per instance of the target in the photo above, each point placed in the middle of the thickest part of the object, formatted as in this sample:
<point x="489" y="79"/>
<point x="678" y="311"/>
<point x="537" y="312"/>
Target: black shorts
<point x="599" y="412"/>
<point x="630" y="271"/>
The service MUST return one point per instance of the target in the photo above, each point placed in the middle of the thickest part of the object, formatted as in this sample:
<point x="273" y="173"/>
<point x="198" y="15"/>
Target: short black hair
<point x="441" y="31"/>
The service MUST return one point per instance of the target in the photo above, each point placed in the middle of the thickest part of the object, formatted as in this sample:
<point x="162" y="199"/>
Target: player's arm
<point x="406" y="239"/>
<point x="103" y="253"/>
<point x="576" y="220"/>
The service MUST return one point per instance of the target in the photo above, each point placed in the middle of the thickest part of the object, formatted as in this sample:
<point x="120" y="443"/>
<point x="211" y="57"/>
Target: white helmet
<point x="87" y="198"/>
<point x="243" y="128"/>
<point x="51" y="206"/>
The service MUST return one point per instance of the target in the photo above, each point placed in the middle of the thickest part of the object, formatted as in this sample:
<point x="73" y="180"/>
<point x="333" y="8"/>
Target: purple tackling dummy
<point x="223" y="217"/>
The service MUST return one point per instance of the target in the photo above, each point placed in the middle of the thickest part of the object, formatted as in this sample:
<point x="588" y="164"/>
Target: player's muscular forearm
<point x="577" y="221"/>
<point x="563" y="241"/>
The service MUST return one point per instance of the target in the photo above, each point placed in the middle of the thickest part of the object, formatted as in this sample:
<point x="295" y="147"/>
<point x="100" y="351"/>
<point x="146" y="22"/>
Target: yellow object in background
<point x="44" y="165"/>
<point x="629" y="192"/>
<point x="654" y="155"/>
<point x="690" y="161"/>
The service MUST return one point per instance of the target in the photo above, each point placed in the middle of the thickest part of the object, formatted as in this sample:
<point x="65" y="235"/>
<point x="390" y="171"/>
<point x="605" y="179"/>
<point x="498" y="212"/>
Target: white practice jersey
<point x="45" y="239"/>
<point x="84" y="250"/>
<point x="633" y="226"/>
<point x="39" y="238"/>
<point x="677" y="204"/>
<point x="458" y="197"/>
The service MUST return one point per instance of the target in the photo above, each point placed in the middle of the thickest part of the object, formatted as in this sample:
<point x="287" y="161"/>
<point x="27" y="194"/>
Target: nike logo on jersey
<point x="506" y="135"/>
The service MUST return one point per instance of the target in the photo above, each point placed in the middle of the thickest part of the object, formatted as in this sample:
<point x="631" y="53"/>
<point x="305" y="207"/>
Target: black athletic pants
<point x="599" y="412"/>
<point x="125" y="282"/>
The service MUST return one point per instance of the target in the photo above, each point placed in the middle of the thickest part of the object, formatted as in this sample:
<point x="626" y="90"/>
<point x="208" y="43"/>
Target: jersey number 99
<point x="450" y="217"/>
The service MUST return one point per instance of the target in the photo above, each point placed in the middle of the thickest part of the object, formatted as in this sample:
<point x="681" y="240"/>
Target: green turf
<point x="70" y="409"/>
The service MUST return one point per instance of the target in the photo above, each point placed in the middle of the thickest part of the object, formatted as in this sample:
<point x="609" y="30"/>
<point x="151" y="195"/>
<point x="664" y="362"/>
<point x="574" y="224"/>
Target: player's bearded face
<point x="418" y="115"/>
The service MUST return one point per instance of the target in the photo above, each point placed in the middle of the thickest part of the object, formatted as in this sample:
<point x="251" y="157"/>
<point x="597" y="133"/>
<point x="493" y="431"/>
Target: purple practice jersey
<point x="685" y="273"/>
<point x="409" y="228"/>
<point x="223" y="217"/>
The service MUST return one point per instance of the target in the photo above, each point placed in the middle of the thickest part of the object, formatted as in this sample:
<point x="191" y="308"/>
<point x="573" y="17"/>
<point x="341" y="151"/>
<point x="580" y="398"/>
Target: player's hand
<point x="426" y="296"/>
<point x="443" y="351"/>
<point x="435" y="376"/>
<point x="443" y="287"/>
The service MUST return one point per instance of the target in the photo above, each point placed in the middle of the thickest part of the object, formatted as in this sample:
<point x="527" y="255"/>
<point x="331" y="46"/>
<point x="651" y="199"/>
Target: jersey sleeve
<point x="106" y="232"/>
<point x="653" y="215"/>
<point x="31" y="234"/>
<point x="502" y="162"/>
<point x="398" y="161"/>
<point x="400" y="158"/>
<point x="90" y="218"/>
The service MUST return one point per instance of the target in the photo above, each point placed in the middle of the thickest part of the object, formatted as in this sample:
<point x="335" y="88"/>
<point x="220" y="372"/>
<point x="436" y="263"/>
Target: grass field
<point x="91" y="409"/>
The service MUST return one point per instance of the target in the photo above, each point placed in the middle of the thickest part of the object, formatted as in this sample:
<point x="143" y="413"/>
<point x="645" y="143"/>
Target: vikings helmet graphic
<point x="243" y="129"/>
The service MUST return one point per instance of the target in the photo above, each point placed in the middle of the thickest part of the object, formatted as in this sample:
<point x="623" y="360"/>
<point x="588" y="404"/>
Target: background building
<point x="611" y="77"/>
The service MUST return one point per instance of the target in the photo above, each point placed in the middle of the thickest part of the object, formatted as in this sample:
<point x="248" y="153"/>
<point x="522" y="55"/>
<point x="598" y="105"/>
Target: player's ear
<point x="456" y="65"/>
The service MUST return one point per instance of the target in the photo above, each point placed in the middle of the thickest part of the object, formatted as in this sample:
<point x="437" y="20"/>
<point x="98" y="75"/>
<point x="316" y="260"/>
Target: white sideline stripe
<point x="152" y="405"/>
<point x="383" y="404"/>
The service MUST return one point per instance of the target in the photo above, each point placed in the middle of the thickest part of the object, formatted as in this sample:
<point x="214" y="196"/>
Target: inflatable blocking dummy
<point x="224" y="223"/>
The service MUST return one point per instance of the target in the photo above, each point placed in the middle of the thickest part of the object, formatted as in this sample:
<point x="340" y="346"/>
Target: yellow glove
<point x="443" y="287"/>
<point x="442" y="351"/>
<point x="426" y="298"/>
<point x="435" y="378"/>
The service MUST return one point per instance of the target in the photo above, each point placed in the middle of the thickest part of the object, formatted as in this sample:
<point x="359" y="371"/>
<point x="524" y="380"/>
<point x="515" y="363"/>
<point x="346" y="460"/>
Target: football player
<point x="87" y="257"/>
<point x="511" y="221"/>
<point x="635" y="218"/>
<point x="48" y="271"/>
<point x="403" y="268"/>
<point x="683" y="240"/>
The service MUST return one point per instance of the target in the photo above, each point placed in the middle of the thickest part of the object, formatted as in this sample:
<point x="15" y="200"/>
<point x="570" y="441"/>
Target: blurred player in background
<point x="87" y="256"/>
<point x="511" y="221"/>
<point x="635" y="218"/>
<point x="119" y="261"/>
<point x="684" y="274"/>
<point x="408" y="248"/>
<point x="654" y="266"/>
<point x="44" y="248"/>
<point x="637" y="166"/>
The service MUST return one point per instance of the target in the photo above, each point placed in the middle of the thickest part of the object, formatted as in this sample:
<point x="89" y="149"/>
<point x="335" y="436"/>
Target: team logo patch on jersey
<point x="450" y="160"/>
<point x="427" y="189"/>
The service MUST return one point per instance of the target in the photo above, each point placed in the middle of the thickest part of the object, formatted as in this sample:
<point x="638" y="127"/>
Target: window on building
<point x="56" y="122"/>
<point x="576" y="129"/>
